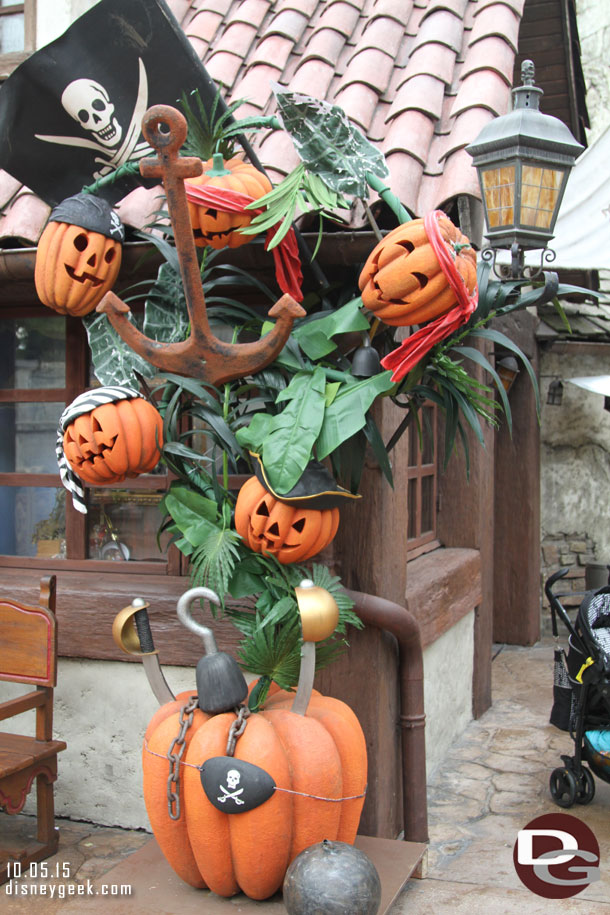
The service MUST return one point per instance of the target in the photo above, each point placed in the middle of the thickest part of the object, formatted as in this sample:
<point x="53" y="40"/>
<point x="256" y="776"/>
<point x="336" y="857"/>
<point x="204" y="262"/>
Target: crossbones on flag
<point x="72" y="112"/>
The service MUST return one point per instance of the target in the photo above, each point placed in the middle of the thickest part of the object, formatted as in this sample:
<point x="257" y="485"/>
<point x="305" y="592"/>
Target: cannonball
<point x="332" y="878"/>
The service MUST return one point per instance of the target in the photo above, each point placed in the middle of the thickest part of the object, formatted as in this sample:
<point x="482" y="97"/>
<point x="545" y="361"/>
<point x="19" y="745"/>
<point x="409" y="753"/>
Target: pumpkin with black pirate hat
<point x="293" y="526"/>
<point x="79" y="254"/>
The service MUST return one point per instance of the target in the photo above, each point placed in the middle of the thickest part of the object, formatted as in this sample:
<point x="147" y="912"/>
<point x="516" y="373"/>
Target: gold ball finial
<point x="318" y="609"/>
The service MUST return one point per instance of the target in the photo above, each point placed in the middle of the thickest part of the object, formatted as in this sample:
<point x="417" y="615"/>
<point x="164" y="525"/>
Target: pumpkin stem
<point x="457" y="246"/>
<point x="218" y="167"/>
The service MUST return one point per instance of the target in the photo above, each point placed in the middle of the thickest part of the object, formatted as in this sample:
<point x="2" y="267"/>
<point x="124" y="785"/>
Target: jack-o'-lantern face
<point x="270" y="526"/>
<point x="114" y="441"/>
<point x="211" y="224"/>
<point x="76" y="264"/>
<point x="402" y="281"/>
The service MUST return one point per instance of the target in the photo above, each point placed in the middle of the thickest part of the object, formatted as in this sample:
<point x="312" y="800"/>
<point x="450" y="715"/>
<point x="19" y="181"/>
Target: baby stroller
<point x="581" y="694"/>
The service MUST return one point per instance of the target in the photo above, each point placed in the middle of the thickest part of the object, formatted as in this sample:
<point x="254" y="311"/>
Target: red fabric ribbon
<point x="286" y="258"/>
<point x="401" y="360"/>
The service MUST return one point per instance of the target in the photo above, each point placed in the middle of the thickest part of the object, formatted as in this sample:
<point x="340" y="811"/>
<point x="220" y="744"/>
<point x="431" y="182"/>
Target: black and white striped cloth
<point x="84" y="403"/>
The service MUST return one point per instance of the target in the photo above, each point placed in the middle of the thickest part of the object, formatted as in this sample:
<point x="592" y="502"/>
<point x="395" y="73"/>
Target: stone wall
<point x="594" y="32"/>
<point x="575" y="551"/>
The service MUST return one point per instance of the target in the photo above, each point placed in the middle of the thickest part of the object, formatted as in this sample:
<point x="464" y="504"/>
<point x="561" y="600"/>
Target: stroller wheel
<point x="586" y="787"/>
<point x="563" y="786"/>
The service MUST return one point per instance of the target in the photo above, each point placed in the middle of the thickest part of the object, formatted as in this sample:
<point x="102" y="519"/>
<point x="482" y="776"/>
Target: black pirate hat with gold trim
<point x="317" y="488"/>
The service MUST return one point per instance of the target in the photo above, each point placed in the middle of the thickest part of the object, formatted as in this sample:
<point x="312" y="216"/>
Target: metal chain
<point x="237" y="728"/>
<point x="174" y="754"/>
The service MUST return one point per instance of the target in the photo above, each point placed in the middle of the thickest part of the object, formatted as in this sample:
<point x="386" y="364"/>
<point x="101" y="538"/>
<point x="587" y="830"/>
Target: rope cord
<point x="315" y="797"/>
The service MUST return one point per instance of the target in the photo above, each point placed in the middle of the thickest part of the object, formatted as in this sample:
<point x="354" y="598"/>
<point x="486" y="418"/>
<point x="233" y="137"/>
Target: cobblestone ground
<point x="492" y="784"/>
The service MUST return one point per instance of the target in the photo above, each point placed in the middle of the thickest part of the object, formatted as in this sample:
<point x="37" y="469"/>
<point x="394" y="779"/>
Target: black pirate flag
<point x="72" y="113"/>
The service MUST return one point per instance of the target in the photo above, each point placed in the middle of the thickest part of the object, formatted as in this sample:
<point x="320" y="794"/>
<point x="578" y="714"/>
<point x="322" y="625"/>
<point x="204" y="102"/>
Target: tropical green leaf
<point x="253" y="435"/>
<point x="113" y="361"/>
<point x="347" y="413"/>
<point x="497" y="337"/>
<point x="329" y="144"/>
<point x="373" y="437"/>
<point x="213" y="563"/>
<point x="315" y="336"/>
<point x="471" y="353"/>
<point x="166" y="317"/>
<point x="193" y="514"/>
<point x="287" y="447"/>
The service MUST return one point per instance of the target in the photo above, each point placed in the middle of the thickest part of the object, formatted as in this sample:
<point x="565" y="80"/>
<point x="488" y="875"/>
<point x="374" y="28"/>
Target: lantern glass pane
<point x="499" y="191"/>
<point x="539" y="193"/>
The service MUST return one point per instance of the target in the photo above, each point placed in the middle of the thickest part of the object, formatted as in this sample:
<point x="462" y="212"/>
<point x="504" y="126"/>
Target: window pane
<point x="29" y="432"/>
<point x="123" y="525"/>
<point x="33" y="352"/>
<point x="12" y="34"/>
<point x="428" y="417"/>
<point x="427" y="504"/>
<point x="33" y="521"/>
<point x="412" y="503"/>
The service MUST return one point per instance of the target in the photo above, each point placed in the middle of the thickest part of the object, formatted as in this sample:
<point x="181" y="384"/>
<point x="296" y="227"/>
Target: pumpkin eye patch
<point x="110" y="255"/>
<point x="81" y="241"/>
<point x="263" y="510"/>
<point x="407" y="245"/>
<point x="299" y="525"/>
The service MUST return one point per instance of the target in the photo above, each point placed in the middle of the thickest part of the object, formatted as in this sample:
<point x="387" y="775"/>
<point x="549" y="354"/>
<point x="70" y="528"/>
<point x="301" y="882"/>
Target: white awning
<point x="598" y="384"/>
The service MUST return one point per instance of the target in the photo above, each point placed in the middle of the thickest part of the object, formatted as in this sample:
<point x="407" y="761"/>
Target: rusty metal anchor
<point x="202" y="355"/>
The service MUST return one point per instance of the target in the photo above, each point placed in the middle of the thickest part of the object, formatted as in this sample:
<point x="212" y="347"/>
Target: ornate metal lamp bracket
<point x="202" y="355"/>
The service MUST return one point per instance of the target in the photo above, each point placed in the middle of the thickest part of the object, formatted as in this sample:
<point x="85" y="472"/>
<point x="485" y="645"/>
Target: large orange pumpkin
<point x="211" y="225"/>
<point x="114" y="441"/>
<point x="402" y="281"/>
<point x="79" y="255"/>
<point x="314" y="760"/>
<point x="292" y="534"/>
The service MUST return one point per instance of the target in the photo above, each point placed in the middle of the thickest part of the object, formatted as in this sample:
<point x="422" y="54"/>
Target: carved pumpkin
<point x="309" y="757"/>
<point x="292" y="534"/>
<point x="402" y="281"/>
<point x="114" y="440"/>
<point x="213" y="226"/>
<point x="79" y="255"/>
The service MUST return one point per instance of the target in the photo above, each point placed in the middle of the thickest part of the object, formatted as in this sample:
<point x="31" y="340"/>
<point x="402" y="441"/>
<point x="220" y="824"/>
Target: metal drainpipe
<point x="384" y="614"/>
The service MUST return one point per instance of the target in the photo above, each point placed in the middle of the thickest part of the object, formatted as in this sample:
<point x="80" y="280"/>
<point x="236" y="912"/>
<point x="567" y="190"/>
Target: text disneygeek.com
<point x="19" y="883"/>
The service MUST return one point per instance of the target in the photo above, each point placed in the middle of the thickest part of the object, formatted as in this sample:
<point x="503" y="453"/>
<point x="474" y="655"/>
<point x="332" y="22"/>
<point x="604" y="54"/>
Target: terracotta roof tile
<point x="400" y="10"/>
<point x="255" y="86"/>
<point x="383" y="33"/>
<point x="516" y="5"/>
<point x="412" y="131"/>
<point x="223" y="67"/>
<point x="252" y="12"/>
<point x="204" y="26"/>
<point x="405" y="177"/>
<point x="312" y="77"/>
<point x="340" y="16"/>
<point x="359" y="103"/>
<point x="25" y="218"/>
<point x="418" y="77"/>
<point x="275" y="49"/>
<point x="441" y="26"/>
<point x="371" y="67"/>
<point x="484" y="89"/>
<point x="496" y="19"/>
<point x="432" y="57"/>
<point x="490" y="53"/>
<point x="290" y="24"/>
<point x="325" y="44"/>
<point x="8" y="188"/>
<point x="422" y="93"/>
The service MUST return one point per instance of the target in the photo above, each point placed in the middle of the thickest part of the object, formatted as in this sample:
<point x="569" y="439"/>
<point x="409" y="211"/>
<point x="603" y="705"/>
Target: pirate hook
<point x="202" y="355"/>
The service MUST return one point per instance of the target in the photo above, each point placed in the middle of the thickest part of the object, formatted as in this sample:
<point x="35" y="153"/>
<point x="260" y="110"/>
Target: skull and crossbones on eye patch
<point x="233" y="779"/>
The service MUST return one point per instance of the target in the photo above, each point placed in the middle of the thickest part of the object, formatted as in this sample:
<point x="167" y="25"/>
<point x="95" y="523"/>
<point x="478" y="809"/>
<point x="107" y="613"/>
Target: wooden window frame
<point x="76" y="381"/>
<point x="10" y="62"/>
<point x="418" y="471"/>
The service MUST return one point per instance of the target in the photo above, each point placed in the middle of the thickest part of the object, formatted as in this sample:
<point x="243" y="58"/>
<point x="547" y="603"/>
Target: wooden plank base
<point x="156" y="889"/>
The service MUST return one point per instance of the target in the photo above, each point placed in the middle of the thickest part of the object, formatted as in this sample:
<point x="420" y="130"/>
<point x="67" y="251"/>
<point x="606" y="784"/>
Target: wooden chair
<point x="28" y="654"/>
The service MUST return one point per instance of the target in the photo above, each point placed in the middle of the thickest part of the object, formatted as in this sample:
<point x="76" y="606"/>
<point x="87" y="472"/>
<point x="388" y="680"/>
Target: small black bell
<point x="221" y="686"/>
<point x="366" y="360"/>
